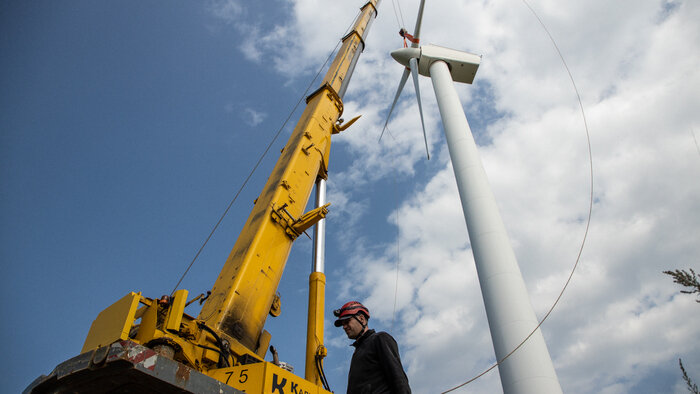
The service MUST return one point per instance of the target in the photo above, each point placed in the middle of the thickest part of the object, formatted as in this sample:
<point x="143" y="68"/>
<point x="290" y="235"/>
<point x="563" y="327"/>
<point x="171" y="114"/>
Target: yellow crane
<point x="141" y="344"/>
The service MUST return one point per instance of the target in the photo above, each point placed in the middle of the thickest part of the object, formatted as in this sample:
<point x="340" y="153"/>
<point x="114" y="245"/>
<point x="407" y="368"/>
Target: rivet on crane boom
<point x="142" y="344"/>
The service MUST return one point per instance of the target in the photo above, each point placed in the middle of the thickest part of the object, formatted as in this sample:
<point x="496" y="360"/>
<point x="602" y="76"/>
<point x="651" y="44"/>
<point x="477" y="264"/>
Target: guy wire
<point x="260" y="159"/>
<point x="588" y="221"/>
<point x="692" y="132"/>
<point x="398" y="248"/>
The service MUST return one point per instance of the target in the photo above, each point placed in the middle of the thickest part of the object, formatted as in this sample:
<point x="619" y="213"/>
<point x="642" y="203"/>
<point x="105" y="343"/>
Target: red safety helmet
<point x="349" y="310"/>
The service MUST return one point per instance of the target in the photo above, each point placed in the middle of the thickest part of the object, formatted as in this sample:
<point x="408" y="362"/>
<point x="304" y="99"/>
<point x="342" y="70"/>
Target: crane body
<point x="142" y="344"/>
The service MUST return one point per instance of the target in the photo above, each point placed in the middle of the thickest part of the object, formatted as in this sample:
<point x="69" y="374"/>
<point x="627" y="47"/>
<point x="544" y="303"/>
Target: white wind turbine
<point x="510" y="315"/>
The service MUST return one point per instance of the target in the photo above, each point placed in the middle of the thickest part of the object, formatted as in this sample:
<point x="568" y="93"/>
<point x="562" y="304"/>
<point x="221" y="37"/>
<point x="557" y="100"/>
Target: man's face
<point x="353" y="328"/>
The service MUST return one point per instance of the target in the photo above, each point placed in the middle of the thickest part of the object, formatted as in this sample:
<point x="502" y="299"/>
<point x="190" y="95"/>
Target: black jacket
<point x="376" y="366"/>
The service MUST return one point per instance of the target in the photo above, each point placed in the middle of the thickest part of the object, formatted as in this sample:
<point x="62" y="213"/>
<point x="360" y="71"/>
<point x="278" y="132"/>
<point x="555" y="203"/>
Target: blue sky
<point x="126" y="128"/>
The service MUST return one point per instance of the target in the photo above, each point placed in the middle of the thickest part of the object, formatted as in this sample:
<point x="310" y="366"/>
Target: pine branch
<point x="686" y="279"/>
<point x="692" y="387"/>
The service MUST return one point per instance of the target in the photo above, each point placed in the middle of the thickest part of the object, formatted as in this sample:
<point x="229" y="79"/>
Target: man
<point x="376" y="365"/>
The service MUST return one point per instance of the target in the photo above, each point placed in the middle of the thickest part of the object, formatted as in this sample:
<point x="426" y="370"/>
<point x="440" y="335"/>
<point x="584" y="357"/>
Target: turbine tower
<point x="510" y="315"/>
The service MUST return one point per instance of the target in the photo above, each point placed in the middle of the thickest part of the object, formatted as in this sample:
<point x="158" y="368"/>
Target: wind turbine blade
<point x="402" y="83"/>
<point x="419" y="20"/>
<point x="414" y="70"/>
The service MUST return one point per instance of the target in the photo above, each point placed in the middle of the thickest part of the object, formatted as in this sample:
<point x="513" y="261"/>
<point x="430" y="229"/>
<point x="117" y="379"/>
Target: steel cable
<point x="262" y="156"/>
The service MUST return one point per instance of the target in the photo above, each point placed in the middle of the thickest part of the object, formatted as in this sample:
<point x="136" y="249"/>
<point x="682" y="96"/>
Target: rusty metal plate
<point x="127" y="367"/>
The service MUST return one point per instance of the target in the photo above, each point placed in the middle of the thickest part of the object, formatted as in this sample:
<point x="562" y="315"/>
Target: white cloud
<point x="253" y="117"/>
<point x="226" y="10"/>
<point x="293" y="46"/>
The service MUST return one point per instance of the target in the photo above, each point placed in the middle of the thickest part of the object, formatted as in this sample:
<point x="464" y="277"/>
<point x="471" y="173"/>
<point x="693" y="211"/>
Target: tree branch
<point x="686" y="279"/>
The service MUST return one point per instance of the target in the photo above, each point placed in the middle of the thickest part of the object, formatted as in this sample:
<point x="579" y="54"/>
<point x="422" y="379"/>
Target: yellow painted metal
<point x="177" y="308"/>
<point x="310" y="218"/>
<point x="244" y="291"/>
<point x="159" y="323"/>
<point x="265" y="377"/>
<point x="314" y="328"/>
<point x="264" y="343"/>
<point x="113" y="323"/>
<point x="149" y="321"/>
<point x="342" y="64"/>
<point x="340" y="128"/>
<point x="276" y="308"/>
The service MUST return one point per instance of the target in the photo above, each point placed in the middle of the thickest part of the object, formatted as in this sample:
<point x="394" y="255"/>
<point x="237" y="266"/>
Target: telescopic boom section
<point x="245" y="291"/>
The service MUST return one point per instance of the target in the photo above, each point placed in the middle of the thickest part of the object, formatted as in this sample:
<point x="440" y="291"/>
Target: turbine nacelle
<point x="417" y="60"/>
<point x="462" y="65"/>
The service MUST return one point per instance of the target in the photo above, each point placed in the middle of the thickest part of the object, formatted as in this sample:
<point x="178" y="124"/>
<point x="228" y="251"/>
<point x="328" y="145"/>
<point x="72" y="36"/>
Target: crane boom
<point x="142" y="344"/>
<point x="244" y="292"/>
